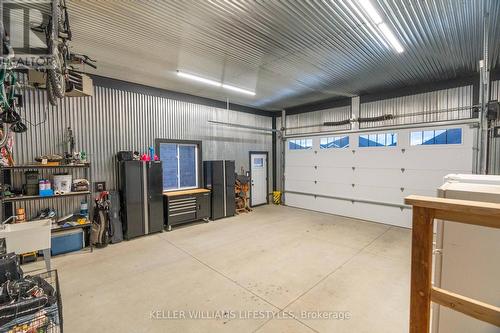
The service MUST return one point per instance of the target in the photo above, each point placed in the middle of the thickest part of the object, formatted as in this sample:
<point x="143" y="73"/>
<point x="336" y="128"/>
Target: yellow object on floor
<point x="277" y="197"/>
<point x="28" y="257"/>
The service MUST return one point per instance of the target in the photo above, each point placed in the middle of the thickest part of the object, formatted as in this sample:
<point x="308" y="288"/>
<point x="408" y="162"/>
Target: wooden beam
<point x="471" y="307"/>
<point x="454" y="205"/>
<point x="421" y="268"/>
<point x="491" y="221"/>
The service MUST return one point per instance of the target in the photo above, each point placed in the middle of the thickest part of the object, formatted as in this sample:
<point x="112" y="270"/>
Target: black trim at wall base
<point x="178" y="96"/>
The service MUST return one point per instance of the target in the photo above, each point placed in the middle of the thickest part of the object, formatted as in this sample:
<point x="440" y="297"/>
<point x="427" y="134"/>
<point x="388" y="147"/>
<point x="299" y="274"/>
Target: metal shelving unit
<point x="38" y="197"/>
<point x="7" y="177"/>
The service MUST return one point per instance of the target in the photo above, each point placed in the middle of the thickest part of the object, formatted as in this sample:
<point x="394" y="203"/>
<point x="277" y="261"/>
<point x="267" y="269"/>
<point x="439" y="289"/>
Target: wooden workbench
<point x="186" y="206"/>
<point x="185" y="192"/>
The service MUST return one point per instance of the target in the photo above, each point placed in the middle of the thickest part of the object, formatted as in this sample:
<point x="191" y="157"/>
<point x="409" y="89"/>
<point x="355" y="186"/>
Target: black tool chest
<point x="186" y="206"/>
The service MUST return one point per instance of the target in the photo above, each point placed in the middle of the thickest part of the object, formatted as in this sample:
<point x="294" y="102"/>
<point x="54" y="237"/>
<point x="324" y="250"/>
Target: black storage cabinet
<point x="219" y="178"/>
<point x="141" y="197"/>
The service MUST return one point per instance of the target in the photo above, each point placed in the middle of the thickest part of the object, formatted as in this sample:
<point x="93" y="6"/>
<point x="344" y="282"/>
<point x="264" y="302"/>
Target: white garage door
<point x="368" y="175"/>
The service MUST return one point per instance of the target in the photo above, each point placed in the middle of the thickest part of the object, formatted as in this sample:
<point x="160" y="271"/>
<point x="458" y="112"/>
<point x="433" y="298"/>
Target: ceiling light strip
<point x="376" y="20"/>
<point x="233" y="88"/>
<point x="214" y="83"/>
<point x="391" y="38"/>
<point x="199" y="79"/>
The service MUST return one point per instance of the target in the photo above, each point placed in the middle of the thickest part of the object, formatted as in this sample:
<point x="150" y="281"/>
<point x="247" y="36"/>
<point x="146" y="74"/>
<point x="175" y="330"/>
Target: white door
<point x="258" y="175"/>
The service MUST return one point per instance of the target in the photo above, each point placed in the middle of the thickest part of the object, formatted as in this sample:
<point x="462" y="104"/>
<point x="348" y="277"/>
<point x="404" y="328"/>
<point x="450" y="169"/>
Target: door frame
<point x="267" y="175"/>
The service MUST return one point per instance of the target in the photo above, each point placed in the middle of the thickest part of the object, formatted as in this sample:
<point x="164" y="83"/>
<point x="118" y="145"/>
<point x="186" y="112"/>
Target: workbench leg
<point x="46" y="257"/>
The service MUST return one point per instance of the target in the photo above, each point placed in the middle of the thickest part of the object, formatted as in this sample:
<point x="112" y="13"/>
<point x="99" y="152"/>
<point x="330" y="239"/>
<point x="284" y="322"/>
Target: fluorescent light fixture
<point x="243" y="91"/>
<point x="389" y="35"/>
<point x="371" y="11"/>
<point x="375" y="20"/>
<point x="199" y="79"/>
<point x="214" y="83"/>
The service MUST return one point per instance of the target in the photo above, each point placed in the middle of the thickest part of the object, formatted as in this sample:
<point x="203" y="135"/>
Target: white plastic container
<point x="467" y="258"/>
<point x="62" y="184"/>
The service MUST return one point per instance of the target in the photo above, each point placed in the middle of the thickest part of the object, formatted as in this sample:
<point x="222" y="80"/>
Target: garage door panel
<point x="338" y="189"/>
<point x="419" y="191"/>
<point x="383" y="158"/>
<point x="384" y="175"/>
<point x="303" y="201"/>
<point x="301" y="172"/>
<point x="387" y="215"/>
<point x="425" y="179"/>
<point x="297" y="185"/>
<point x="335" y="157"/>
<point x="440" y="158"/>
<point x="304" y="157"/>
<point x="334" y="174"/>
<point x="387" y="194"/>
<point x="383" y="214"/>
<point x="358" y="192"/>
<point x="377" y="177"/>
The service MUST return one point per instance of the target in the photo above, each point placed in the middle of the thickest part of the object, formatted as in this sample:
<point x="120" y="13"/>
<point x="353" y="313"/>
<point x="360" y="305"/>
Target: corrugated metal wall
<point x="440" y="105"/>
<point x="316" y="118"/>
<point x="114" y="120"/>
<point x="494" y="167"/>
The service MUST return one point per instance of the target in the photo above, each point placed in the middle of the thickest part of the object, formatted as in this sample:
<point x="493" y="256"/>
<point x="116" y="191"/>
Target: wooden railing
<point x="425" y="210"/>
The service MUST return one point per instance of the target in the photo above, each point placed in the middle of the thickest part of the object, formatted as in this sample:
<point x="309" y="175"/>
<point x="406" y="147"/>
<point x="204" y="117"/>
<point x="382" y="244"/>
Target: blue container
<point x="46" y="193"/>
<point x="67" y="241"/>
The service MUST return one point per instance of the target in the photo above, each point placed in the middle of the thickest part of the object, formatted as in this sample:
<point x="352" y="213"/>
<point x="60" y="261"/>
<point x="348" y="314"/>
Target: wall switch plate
<point x="100" y="186"/>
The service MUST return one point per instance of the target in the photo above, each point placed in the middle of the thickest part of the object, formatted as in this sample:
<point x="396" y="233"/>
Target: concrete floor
<point x="279" y="261"/>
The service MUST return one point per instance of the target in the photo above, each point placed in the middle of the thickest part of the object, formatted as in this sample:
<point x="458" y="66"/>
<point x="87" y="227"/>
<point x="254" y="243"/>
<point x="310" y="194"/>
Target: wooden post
<point x="425" y="210"/>
<point x="421" y="270"/>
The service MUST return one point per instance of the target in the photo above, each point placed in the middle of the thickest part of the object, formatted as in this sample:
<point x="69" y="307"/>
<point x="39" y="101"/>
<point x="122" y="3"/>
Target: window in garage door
<point x="388" y="139"/>
<point x="334" y="142"/>
<point x="436" y="137"/>
<point x="298" y="144"/>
